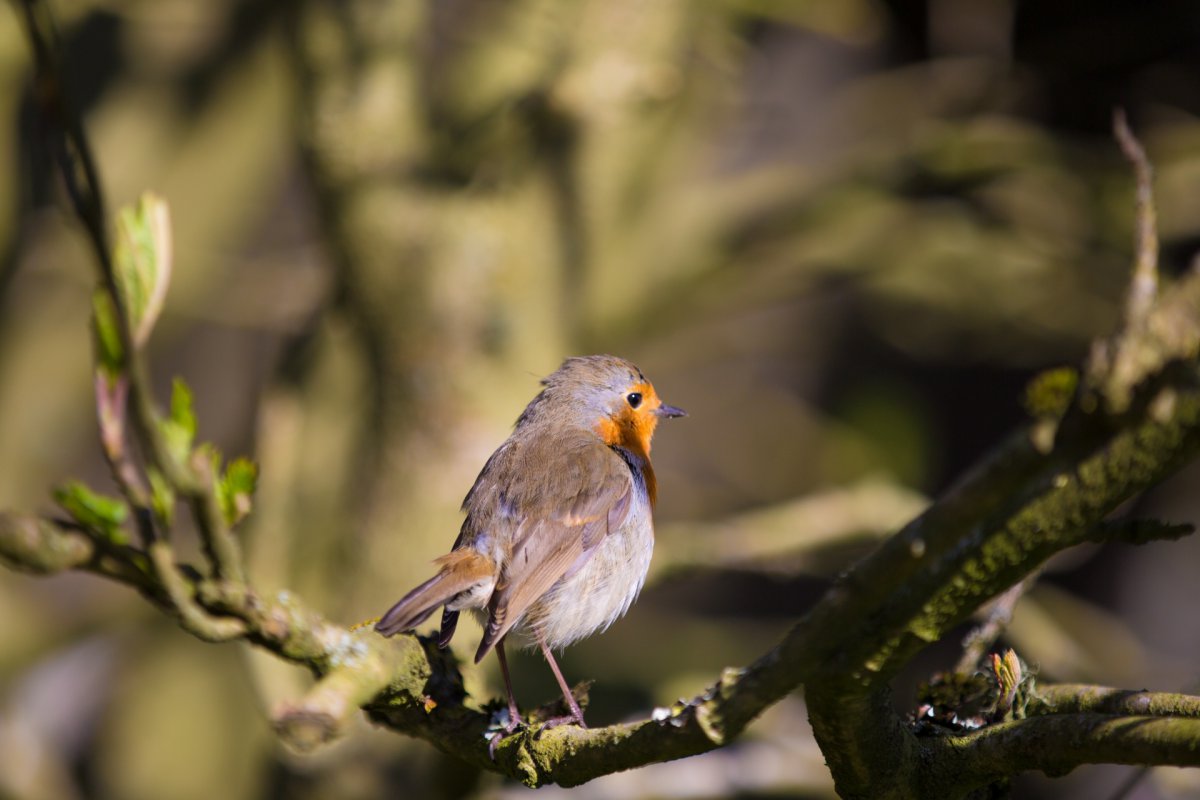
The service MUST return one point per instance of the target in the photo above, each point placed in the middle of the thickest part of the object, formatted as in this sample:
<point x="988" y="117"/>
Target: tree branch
<point x="1055" y="745"/>
<point x="1134" y="421"/>
<point x="999" y="615"/>
<point x="1144" y="286"/>
<point x="1073" y="698"/>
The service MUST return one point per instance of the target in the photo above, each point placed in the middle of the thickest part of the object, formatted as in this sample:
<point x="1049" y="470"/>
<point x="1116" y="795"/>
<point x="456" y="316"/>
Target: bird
<point x="558" y="533"/>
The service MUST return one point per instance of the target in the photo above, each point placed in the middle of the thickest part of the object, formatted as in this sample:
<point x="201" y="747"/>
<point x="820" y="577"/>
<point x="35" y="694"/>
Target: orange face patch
<point x="630" y="427"/>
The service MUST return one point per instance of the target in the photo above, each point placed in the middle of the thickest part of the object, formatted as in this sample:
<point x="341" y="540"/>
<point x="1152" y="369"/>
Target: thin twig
<point x="980" y="640"/>
<point x="194" y="619"/>
<point x="87" y="201"/>
<point x="1137" y="776"/>
<point x="220" y="545"/>
<point x="1118" y="364"/>
<point x="111" y="406"/>
<point x="79" y="170"/>
<point x="1144" y="287"/>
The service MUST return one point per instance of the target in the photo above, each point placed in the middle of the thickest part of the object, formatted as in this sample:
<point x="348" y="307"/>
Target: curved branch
<point x="407" y="684"/>
<point x="1144" y="286"/>
<point x="1134" y="421"/>
<point x="1055" y="745"/>
<point x="1073" y="698"/>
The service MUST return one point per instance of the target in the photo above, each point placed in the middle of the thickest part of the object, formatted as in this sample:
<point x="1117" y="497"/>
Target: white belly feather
<point x="601" y="590"/>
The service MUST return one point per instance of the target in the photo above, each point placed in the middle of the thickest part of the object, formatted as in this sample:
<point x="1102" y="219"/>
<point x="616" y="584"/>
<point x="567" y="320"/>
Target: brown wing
<point x="581" y="492"/>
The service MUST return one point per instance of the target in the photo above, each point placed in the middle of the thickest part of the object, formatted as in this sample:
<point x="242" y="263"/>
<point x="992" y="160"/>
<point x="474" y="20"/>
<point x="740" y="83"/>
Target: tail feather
<point x="449" y="623"/>
<point x="460" y="570"/>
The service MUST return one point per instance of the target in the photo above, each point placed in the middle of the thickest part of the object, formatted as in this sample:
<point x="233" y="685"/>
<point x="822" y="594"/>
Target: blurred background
<point x="843" y="234"/>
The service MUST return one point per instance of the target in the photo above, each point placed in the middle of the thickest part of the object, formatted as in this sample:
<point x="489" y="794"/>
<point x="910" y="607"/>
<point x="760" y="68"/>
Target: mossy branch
<point x="400" y="677"/>
<point x="1078" y="698"/>
<point x="1133" y="421"/>
<point x="1055" y="745"/>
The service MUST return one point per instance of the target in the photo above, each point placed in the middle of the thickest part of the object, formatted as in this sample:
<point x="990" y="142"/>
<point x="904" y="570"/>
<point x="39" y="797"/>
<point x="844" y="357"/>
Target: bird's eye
<point x="634" y="398"/>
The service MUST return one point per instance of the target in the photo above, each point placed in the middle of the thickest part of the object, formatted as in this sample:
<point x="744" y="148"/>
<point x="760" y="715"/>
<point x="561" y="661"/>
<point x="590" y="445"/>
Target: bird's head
<point x="610" y="396"/>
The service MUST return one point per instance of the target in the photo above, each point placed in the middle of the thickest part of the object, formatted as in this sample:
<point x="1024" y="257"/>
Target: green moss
<point x="1049" y="393"/>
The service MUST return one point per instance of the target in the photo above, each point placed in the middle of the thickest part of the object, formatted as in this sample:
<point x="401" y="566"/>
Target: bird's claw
<point x="499" y="731"/>
<point x="566" y="719"/>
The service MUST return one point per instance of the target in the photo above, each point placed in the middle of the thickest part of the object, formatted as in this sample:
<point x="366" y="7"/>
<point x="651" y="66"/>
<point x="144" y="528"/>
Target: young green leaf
<point x="236" y="489"/>
<point x="162" y="498"/>
<point x="207" y="451"/>
<point x="106" y="336"/>
<point x="1009" y="675"/>
<point x="181" y="407"/>
<point x="179" y="429"/>
<point x="97" y="512"/>
<point x="142" y="260"/>
<point x="111" y="394"/>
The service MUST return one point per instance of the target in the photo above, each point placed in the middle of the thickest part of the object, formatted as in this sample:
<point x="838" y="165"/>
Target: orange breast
<point x="632" y="430"/>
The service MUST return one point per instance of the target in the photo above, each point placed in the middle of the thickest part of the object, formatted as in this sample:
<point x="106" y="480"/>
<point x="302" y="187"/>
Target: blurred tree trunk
<point x="446" y="147"/>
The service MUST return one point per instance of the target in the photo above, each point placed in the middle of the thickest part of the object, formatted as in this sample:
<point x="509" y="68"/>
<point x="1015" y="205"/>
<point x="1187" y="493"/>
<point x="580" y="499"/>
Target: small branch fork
<point x="130" y="386"/>
<point x="1124" y="431"/>
<point x="999" y="616"/>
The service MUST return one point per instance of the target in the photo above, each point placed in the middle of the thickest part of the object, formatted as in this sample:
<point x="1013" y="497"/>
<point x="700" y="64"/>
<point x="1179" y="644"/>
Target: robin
<point x="558" y="534"/>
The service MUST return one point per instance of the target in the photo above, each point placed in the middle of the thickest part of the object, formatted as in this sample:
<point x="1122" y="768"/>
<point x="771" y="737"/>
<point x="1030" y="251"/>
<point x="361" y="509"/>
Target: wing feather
<point x="585" y="493"/>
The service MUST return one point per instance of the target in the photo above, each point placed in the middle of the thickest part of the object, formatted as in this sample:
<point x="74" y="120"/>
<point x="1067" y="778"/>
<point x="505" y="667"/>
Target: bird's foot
<point x="565" y="719"/>
<point x="565" y="710"/>
<point x="503" y="725"/>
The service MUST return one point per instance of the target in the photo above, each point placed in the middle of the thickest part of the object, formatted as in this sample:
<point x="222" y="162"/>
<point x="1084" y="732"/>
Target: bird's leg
<point x="576" y="715"/>
<point x="514" y="714"/>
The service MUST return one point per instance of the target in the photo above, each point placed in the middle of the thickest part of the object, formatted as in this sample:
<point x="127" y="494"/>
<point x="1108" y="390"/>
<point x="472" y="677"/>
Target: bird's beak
<point x="669" y="411"/>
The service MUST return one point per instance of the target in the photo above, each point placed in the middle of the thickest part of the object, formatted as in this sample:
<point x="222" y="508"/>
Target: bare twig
<point x="79" y="171"/>
<point x="999" y="614"/>
<point x="1144" y="286"/>
<point x="194" y="619"/>
<point x="1146" y="341"/>
<point x="111" y="395"/>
